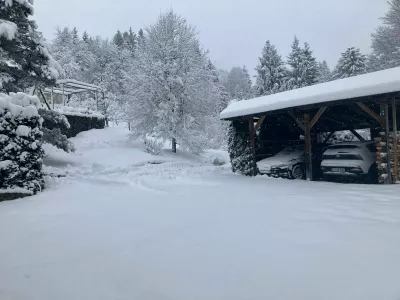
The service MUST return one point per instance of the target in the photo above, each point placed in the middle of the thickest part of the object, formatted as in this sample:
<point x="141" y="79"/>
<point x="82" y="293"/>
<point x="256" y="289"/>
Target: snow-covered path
<point x="128" y="225"/>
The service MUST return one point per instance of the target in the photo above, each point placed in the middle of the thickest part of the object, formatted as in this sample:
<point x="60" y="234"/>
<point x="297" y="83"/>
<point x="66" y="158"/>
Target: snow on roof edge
<point x="381" y="82"/>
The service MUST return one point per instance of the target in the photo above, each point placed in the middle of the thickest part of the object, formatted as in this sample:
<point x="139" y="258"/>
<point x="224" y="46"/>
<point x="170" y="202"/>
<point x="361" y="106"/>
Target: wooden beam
<point x="385" y="109"/>
<point x="317" y="116"/>
<point x="253" y="145"/>
<point x="259" y="123"/>
<point x="353" y="131"/>
<point x="369" y="111"/>
<point x="395" y="141"/>
<point x="328" y="137"/>
<point x="308" y="158"/>
<point x="44" y="99"/>
<point x="299" y="123"/>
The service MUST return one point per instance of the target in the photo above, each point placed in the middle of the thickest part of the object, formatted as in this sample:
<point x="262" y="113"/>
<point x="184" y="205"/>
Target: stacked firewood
<point x="382" y="157"/>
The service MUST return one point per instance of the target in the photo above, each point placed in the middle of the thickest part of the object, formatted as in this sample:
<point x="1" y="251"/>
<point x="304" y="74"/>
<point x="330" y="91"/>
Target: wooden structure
<point x="65" y="88"/>
<point x="366" y="101"/>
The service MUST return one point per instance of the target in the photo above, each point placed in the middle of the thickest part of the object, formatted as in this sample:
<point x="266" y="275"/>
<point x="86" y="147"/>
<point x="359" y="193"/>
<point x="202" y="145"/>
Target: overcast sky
<point x="233" y="30"/>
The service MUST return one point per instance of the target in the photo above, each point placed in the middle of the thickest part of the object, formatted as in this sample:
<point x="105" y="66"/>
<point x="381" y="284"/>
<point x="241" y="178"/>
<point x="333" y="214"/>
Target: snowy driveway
<point x="128" y="225"/>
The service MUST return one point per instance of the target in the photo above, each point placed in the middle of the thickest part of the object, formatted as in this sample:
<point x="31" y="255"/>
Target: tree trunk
<point x="174" y="145"/>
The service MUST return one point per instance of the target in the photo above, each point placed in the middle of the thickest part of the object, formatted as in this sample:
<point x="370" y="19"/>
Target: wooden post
<point x="63" y="94"/>
<point x="253" y="144"/>
<point x="387" y="135"/>
<point x="174" y="145"/>
<point x="308" y="158"/>
<point x="52" y="97"/>
<point x="395" y="142"/>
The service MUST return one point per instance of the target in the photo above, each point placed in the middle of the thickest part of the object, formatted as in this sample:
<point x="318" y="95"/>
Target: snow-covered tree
<point x="271" y="71"/>
<point x="351" y="63"/>
<point x="324" y="73"/>
<point x="303" y="66"/>
<point x="239" y="148"/>
<point x="238" y="84"/>
<point x="64" y="51"/>
<point x="309" y="66"/>
<point x="294" y="79"/>
<point x="21" y="151"/>
<point x="386" y="40"/>
<point x="171" y="90"/>
<point x="25" y="60"/>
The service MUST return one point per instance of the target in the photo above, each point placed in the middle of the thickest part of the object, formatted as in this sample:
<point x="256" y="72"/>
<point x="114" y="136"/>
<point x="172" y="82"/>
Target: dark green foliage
<point x="81" y="123"/>
<point x="21" y="152"/>
<point x="56" y="138"/>
<point x="53" y="125"/>
<point x="23" y="58"/>
<point x="240" y="149"/>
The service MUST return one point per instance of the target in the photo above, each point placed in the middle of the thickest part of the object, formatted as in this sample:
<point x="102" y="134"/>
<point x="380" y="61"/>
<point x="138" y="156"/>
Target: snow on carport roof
<point x="382" y="82"/>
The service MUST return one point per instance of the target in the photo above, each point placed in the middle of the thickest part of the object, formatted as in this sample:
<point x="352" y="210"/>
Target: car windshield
<point x="292" y="150"/>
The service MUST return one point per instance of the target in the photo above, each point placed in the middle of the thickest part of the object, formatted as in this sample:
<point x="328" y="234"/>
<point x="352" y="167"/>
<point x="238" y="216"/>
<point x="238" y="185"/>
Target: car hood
<point x="280" y="161"/>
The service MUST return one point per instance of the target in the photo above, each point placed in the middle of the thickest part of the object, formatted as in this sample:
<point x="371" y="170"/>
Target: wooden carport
<point x="365" y="101"/>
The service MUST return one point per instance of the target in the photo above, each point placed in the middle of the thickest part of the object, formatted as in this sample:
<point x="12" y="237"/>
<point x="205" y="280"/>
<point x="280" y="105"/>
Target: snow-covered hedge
<point x="55" y="125"/>
<point x="80" y="119"/>
<point x="239" y="148"/>
<point x="80" y="112"/>
<point x="21" y="151"/>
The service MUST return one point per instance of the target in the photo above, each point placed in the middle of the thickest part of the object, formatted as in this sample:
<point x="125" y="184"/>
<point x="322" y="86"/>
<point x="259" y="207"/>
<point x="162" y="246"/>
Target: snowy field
<point x="128" y="225"/>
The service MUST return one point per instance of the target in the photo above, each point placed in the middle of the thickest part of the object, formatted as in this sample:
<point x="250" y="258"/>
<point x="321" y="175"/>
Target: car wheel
<point x="373" y="176"/>
<point x="297" y="172"/>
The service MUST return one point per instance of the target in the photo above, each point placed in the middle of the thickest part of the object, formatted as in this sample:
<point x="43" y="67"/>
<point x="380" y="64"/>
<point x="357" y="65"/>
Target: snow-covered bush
<point x="239" y="148"/>
<point x="53" y="125"/>
<point x="21" y="151"/>
<point x="153" y="146"/>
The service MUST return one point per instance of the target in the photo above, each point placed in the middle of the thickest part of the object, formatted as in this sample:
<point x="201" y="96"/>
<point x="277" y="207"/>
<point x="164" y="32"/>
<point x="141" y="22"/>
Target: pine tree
<point x="23" y="56"/>
<point x="238" y="84"/>
<point x="386" y="40"/>
<point x="270" y="72"/>
<point x="75" y="36"/>
<point x="309" y="67"/>
<point x="118" y="39"/>
<point x="324" y="73"/>
<point x="239" y="148"/>
<point x="351" y="63"/>
<point x="85" y="37"/>
<point x="294" y="79"/>
<point x="303" y="67"/>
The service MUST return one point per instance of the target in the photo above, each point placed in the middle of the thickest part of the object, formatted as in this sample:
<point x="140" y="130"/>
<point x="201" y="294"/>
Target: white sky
<point x="234" y="31"/>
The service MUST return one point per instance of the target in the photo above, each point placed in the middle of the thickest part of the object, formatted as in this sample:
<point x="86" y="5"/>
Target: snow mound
<point x="19" y="104"/>
<point x="27" y="3"/>
<point x="8" y="29"/>
<point x="81" y="112"/>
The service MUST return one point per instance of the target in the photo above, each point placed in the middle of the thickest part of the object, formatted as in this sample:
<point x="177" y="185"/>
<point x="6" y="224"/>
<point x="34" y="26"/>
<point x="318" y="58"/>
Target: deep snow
<point x="127" y="225"/>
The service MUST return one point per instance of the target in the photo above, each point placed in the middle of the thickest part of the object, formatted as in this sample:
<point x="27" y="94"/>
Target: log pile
<point x="382" y="158"/>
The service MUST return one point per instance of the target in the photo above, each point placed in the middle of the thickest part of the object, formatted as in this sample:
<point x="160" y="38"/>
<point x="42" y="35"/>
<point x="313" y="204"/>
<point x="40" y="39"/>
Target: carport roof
<point x="371" y="84"/>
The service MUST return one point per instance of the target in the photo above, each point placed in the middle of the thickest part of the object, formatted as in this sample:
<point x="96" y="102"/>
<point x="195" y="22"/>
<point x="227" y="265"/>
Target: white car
<point x="288" y="163"/>
<point x="351" y="160"/>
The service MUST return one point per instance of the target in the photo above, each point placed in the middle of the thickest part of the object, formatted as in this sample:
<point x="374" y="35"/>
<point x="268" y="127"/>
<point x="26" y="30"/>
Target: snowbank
<point x="376" y="83"/>
<point x="27" y="3"/>
<point x="81" y="112"/>
<point x="19" y="104"/>
<point x="8" y="29"/>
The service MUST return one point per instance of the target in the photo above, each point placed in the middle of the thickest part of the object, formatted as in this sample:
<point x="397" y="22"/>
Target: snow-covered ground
<point x="128" y="225"/>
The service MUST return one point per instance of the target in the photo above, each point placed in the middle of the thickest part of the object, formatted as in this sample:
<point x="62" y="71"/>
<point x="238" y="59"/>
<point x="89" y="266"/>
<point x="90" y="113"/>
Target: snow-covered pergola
<point x="364" y="101"/>
<point x="68" y="87"/>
